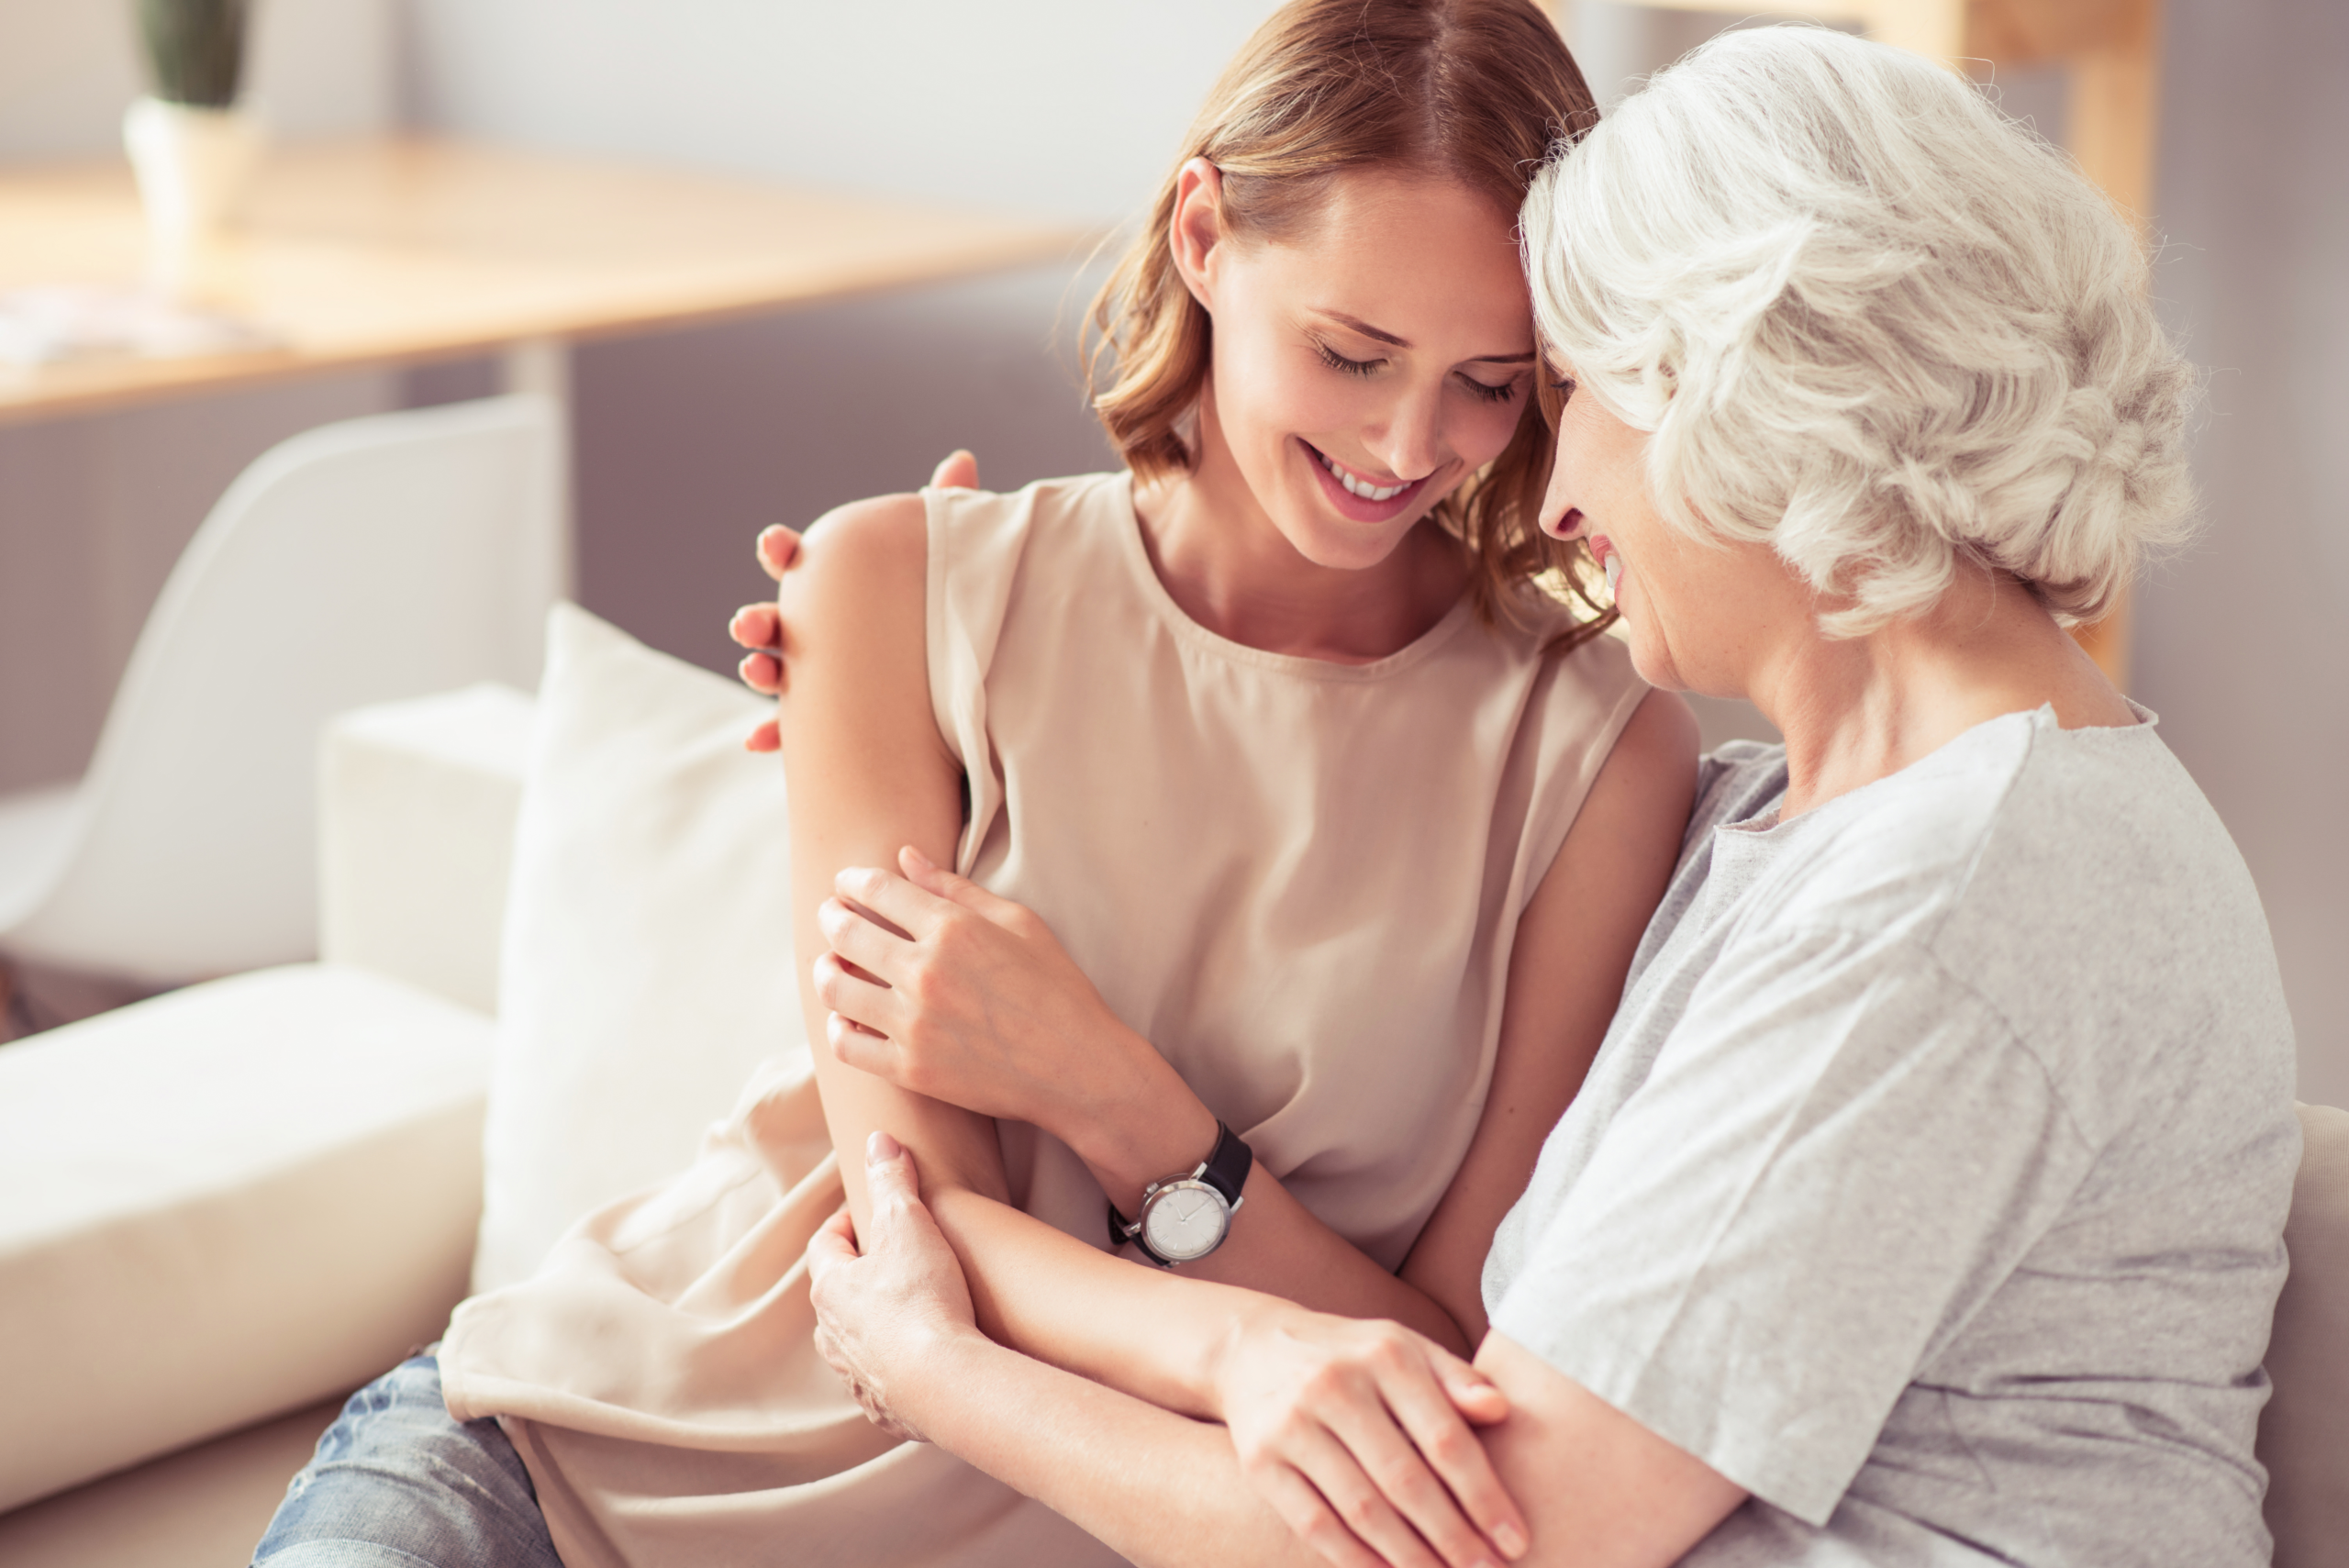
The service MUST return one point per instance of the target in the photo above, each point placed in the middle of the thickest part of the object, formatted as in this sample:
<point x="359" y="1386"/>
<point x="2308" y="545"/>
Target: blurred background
<point x="688" y="441"/>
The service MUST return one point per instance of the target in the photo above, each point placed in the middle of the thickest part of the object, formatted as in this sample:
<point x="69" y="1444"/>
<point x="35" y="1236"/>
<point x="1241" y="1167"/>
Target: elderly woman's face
<point x="1692" y="608"/>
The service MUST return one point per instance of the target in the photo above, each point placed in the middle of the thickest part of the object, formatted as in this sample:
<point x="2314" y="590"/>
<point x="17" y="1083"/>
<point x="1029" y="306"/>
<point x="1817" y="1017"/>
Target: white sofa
<point x="248" y="1197"/>
<point x="222" y="1209"/>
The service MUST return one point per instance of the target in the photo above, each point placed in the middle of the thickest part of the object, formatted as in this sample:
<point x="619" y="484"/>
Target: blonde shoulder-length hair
<point x="1474" y="90"/>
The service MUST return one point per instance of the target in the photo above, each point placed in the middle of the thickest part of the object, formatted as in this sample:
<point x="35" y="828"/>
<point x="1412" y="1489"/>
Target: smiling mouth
<point x="1355" y="485"/>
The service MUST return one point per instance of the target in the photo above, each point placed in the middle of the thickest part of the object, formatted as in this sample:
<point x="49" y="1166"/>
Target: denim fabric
<point x="399" y="1483"/>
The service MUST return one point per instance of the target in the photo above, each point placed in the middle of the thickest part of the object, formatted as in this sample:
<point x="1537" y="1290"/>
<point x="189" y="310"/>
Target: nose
<point x="1411" y="442"/>
<point x="1561" y="518"/>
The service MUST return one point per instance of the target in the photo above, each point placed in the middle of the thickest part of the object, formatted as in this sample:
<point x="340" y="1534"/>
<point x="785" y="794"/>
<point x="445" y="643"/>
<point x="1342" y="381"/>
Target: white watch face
<point x="1184" y="1220"/>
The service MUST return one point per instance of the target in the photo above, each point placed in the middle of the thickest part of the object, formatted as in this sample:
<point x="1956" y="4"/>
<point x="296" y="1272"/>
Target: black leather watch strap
<point x="1225" y="1169"/>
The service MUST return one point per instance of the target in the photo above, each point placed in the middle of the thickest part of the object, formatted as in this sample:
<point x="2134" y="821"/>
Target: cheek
<point x="1263" y="396"/>
<point x="1486" y="429"/>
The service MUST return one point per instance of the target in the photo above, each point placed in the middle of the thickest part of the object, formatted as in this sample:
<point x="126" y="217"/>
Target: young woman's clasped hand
<point x="946" y="990"/>
<point x="1356" y="1434"/>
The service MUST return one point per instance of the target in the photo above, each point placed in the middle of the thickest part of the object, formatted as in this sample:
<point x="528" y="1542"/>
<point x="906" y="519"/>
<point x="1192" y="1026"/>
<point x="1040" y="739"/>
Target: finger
<point x="882" y="954"/>
<point x="757" y="625"/>
<point x="860" y="1001"/>
<point x="778" y="546"/>
<point x="1383" y="1454"/>
<point x="915" y="911"/>
<point x="766" y="736"/>
<point x="1462" y="1476"/>
<point x="889" y="1177"/>
<point x="1360" y="1505"/>
<point x="763" y="672"/>
<point x="932" y="878"/>
<point x="959" y="472"/>
<point x="1471" y="1393"/>
<point x="833" y="1244"/>
<point x="1309" y="1519"/>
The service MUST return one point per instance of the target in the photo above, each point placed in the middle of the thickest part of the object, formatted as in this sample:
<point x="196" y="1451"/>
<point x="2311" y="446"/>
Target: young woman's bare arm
<point x="868" y="772"/>
<point x="1574" y="949"/>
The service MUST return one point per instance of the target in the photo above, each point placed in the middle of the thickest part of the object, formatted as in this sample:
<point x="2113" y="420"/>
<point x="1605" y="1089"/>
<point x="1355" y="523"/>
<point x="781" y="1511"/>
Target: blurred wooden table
<point x="394" y="252"/>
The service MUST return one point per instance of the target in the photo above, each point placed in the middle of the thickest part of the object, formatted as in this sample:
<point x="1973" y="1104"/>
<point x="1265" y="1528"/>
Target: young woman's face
<point x="1366" y="366"/>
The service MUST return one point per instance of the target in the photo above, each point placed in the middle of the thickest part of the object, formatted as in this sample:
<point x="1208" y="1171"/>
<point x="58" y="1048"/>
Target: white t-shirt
<point x="1930" y="1182"/>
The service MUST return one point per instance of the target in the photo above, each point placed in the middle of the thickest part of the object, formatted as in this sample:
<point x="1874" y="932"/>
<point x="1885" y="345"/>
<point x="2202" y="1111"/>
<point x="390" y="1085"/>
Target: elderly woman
<point x="1925" y="1202"/>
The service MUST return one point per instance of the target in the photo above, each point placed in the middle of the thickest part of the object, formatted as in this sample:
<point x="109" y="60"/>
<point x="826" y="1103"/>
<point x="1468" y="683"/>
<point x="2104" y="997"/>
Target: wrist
<point x="943" y="1363"/>
<point x="1145" y="1127"/>
<point x="1208" y="1380"/>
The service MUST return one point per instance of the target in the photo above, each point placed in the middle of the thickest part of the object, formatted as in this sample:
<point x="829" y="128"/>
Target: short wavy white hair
<point x="1869" y="320"/>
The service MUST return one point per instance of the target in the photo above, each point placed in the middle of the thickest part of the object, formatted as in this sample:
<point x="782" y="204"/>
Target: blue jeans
<point x="399" y="1483"/>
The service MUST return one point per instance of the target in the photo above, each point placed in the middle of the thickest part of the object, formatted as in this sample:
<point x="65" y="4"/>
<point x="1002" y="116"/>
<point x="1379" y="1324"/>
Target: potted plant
<point x="191" y="146"/>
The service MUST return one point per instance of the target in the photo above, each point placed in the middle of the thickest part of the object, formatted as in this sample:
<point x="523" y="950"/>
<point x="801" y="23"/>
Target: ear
<point x="1197" y="232"/>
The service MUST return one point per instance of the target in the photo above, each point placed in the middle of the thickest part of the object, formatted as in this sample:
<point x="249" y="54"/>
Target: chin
<point x="1344" y="546"/>
<point x="1654" y="664"/>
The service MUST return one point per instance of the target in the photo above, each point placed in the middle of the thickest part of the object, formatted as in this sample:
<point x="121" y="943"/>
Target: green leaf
<point x="196" y="50"/>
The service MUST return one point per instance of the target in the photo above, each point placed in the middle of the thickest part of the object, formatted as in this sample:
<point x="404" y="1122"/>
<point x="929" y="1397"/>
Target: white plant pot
<point x="192" y="166"/>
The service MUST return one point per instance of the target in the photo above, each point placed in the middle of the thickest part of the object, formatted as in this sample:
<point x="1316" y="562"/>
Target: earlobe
<point x="1197" y="229"/>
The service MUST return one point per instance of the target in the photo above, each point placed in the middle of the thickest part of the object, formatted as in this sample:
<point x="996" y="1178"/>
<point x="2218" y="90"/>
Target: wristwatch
<point x="1187" y="1216"/>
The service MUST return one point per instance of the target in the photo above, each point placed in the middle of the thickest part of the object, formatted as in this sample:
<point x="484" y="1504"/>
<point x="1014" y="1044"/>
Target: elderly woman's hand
<point x="946" y="990"/>
<point x="759" y="628"/>
<point x="1357" y="1433"/>
<point x="883" y="1312"/>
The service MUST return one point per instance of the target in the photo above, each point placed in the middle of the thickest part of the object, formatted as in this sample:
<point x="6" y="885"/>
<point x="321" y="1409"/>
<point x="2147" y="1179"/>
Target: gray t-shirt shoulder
<point x="1930" y="1182"/>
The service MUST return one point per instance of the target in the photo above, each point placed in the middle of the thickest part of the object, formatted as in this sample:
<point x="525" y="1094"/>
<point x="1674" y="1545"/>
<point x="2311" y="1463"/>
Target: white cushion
<point x="416" y="808"/>
<point x="224" y="1203"/>
<point x="647" y="963"/>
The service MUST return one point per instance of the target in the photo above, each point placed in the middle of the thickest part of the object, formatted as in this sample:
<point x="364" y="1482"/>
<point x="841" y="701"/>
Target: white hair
<point x="1868" y="320"/>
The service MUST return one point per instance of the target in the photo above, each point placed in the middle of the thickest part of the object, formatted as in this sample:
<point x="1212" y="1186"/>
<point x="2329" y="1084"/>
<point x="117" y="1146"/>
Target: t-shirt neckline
<point x="1758" y="829"/>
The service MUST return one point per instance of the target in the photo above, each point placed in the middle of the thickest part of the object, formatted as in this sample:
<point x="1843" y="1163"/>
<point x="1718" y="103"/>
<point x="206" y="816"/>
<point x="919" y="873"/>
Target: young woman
<point x="1924" y="1204"/>
<point x="1300" y="833"/>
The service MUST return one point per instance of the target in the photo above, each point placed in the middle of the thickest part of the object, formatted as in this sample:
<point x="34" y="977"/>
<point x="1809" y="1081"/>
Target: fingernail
<point x="920" y="859"/>
<point x="1511" y="1541"/>
<point x="880" y="1149"/>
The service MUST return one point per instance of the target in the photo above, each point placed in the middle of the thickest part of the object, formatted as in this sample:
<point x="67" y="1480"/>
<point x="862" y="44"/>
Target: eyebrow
<point x="1357" y="324"/>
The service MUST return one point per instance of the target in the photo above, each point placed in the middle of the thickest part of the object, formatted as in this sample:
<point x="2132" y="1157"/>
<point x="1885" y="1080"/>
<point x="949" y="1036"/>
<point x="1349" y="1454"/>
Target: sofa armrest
<point x="416" y="804"/>
<point x="226" y="1202"/>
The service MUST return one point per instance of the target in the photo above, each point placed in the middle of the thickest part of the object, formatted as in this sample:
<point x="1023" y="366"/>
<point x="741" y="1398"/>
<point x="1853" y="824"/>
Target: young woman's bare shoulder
<point x="860" y="563"/>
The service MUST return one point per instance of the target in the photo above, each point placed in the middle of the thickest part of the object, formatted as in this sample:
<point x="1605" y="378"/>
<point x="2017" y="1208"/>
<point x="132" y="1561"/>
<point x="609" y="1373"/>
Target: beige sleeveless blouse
<point x="1299" y="879"/>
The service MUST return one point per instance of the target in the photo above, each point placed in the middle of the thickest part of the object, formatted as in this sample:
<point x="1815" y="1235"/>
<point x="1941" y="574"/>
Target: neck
<point x="1857" y="710"/>
<point x="1229" y="567"/>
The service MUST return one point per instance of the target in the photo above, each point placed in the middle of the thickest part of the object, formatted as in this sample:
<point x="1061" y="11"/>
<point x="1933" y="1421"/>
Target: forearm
<point x="1152" y="1126"/>
<point x="1047" y="1294"/>
<point x="1159" y="1488"/>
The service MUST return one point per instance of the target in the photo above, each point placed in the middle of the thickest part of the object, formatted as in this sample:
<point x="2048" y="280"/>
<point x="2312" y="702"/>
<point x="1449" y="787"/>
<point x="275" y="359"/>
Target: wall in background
<point x="691" y="442"/>
<point x="1071" y="107"/>
<point x="2243" y="644"/>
